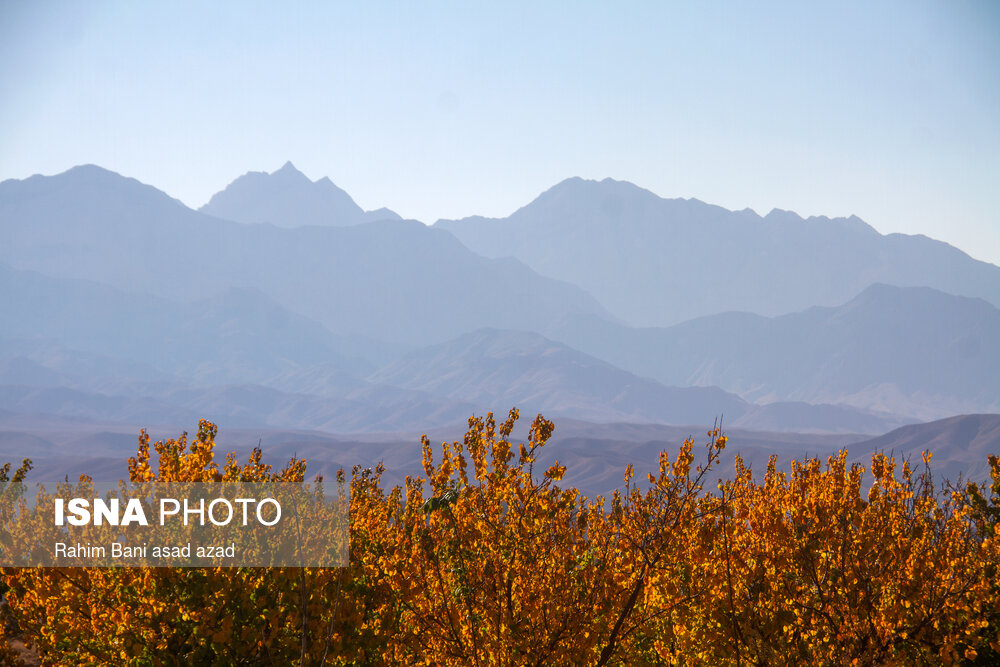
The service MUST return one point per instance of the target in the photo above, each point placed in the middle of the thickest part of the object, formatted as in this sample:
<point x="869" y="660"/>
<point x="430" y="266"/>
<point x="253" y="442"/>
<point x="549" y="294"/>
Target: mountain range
<point x="393" y="280"/>
<point x="281" y="305"/>
<point x="657" y="262"/>
<point x="913" y="351"/>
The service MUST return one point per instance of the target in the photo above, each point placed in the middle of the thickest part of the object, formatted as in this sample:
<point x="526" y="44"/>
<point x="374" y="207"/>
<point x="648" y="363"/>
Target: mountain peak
<point x="289" y="171"/>
<point x="781" y="215"/>
<point x="578" y="184"/>
<point x="285" y="198"/>
<point x="85" y="183"/>
<point x="607" y="195"/>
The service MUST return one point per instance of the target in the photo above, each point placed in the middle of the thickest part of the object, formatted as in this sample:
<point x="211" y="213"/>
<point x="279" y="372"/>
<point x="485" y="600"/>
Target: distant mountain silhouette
<point x="393" y="280"/>
<point x="658" y="262"/>
<point x="287" y="198"/>
<point x="237" y="336"/>
<point x="241" y="405"/>
<point x="42" y="362"/>
<point x="909" y="351"/>
<point x="80" y="348"/>
<point x="121" y="303"/>
<point x="491" y="367"/>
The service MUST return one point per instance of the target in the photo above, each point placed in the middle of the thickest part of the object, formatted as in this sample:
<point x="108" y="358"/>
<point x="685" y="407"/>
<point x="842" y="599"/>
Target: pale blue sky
<point x="887" y="110"/>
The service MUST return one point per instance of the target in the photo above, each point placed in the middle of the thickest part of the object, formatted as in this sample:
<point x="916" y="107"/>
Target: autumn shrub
<point x="8" y="495"/>
<point x="985" y="501"/>
<point x="809" y="569"/>
<point x="178" y="616"/>
<point x="487" y="559"/>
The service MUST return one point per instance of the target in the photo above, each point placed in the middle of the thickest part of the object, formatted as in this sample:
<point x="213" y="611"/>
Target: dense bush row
<point x="489" y="561"/>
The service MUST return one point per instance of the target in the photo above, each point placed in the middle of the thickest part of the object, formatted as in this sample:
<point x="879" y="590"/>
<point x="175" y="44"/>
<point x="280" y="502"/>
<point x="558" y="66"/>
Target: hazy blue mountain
<point x="801" y="417"/>
<point x="372" y="408"/>
<point x="910" y="351"/>
<point x="658" y="262"/>
<point x="44" y="362"/>
<point x="491" y="368"/>
<point x="239" y="335"/>
<point x="71" y="383"/>
<point x="378" y="409"/>
<point x="21" y="370"/>
<point x="142" y="356"/>
<point x="380" y="214"/>
<point x="120" y="299"/>
<point x="392" y="280"/>
<point x="287" y="198"/>
<point x="91" y="405"/>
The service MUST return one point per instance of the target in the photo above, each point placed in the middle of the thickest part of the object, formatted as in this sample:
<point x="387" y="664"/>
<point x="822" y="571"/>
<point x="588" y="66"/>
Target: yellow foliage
<point x="486" y="560"/>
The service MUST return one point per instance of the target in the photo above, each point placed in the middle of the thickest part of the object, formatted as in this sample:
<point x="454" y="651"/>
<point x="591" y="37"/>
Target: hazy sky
<point x="887" y="110"/>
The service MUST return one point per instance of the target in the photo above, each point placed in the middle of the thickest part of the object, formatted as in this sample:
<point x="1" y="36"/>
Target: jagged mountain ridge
<point x="394" y="280"/>
<point x="287" y="198"/>
<point x="657" y="262"/>
<point x="393" y="285"/>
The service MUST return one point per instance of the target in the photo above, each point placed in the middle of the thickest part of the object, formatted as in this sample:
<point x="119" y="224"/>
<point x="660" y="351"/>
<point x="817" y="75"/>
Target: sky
<point x="888" y="110"/>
